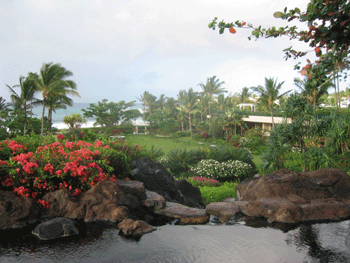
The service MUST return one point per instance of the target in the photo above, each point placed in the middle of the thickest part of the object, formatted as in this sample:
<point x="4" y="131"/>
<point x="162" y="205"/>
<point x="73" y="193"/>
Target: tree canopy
<point x="328" y="23"/>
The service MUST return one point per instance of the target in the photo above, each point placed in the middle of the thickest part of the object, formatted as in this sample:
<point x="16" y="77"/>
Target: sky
<point x="117" y="49"/>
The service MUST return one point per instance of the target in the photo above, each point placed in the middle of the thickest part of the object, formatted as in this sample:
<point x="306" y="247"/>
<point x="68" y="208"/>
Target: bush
<point x="203" y="181"/>
<point x="72" y="165"/>
<point x="217" y="194"/>
<point x="225" y="171"/>
<point x="75" y="166"/>
<point x="179" y="160"/>
<point x="180" y="134"/>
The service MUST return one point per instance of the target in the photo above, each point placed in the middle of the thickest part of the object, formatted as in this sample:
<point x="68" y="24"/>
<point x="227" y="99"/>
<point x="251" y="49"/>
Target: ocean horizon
<point x="59" y="114"/>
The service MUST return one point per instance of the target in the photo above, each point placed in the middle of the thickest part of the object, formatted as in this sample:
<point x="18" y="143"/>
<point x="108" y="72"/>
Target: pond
<point x="326" y="242"/>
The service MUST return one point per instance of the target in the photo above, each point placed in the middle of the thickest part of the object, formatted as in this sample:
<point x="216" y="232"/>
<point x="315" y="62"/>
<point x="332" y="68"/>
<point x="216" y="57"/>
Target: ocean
<point x="57" y="117"/>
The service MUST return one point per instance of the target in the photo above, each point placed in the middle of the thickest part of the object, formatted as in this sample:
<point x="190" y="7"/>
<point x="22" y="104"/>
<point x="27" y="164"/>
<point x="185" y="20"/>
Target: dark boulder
<point x="16" y="211"/>
<point x="291" y="197"/>
<point x="157" y="179"/>
<point x="187" y="215"/>
<point x="55" y="228"/>
<point x="131" y="228"/>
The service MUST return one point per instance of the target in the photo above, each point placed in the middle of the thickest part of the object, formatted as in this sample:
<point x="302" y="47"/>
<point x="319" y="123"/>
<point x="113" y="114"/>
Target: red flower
<point x="317" y="50"/>
<point x="60" y="136"/>
<point x="77" y="192"/>
<point x="232" y="30"/>
<point x="244" y="23"/>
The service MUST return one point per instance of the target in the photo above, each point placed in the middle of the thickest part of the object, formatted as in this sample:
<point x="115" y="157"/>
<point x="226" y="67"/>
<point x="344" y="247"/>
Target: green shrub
<point x="233" y="170"/>
<point x="203" y="181"/>
<point x="180" y="134"/>
<point x="179" y="160"/>
<point x="217" y="194"/>
<point x="116" y="160"/>
<point x="294" y="162"/>
<point x="33" y="141"/>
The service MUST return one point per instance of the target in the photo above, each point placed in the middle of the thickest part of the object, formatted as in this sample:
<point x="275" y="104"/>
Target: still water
<point x="328" y="242"/>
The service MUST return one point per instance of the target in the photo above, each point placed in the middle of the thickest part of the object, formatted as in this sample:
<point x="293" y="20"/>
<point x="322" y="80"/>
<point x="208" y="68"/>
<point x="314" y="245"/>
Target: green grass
<point x="257" y="160"/>
<point x="218" y="193"/>
<point x="164" y="143"/>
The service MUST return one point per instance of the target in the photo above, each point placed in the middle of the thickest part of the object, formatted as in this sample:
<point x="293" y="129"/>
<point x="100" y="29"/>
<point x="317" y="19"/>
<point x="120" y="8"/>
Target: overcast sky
<point x="118" y="49"/>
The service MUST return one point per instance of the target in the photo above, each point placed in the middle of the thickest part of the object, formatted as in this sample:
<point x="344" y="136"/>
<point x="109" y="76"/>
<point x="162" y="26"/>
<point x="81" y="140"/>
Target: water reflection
<point x="326" y="242"/>
<point x="254" y="242"/>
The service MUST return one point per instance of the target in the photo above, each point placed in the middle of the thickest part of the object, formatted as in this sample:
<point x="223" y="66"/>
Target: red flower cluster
<point x="75" y="166"/>
<point x="60" y="137"/>
<point x="45" y="204"/>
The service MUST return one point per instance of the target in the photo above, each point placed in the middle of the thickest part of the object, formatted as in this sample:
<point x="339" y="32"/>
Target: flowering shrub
<point x="75" y="166"/>
<point x="203" y="181"/>
<point x="231" y="170"/>
<point x="244" y="141"/>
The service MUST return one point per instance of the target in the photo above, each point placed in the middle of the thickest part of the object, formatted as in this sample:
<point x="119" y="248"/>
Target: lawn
<point x="165" y="143"/>
<point x="168" y="143"/>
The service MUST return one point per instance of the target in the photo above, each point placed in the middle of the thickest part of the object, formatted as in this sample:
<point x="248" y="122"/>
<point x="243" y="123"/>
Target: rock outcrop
<point x="157" y="179"/>
<point x="290" y="197"/>
<point x="55" y="228"/>
<point x="17" y="212"/>
<point x="130" y="204"/>
<point x="187" y="215"/>
<point x="131" y="228"/>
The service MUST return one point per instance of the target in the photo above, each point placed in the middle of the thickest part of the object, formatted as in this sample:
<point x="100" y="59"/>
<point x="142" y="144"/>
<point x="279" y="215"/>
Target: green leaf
<point x="278" y="14"/>
<point x="222" y="30"/>
<point x="297" y="10"/>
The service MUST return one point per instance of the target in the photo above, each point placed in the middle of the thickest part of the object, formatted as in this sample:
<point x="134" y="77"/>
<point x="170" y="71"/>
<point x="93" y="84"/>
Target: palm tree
<point x="233" y="118"/>
<point x="148" y="100"/>
<point x="52" y="81"/>
<point x="312" y="89"/>
<point x="269" y="94"/>
<point x="57" y="101"/>
<point x="3" y="104"/>
<point x="188" y="101"/>
<point x="244" y="95"/>
<point x="210" y="88"/>
<point x="23" y="101"/>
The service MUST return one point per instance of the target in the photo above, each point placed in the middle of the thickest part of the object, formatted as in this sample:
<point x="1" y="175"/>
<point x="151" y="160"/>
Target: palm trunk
<point x="273" y="122"/>
<point x="190" y="123"/>
<point x="42" y="118"/>
<point x="25" y="120"/>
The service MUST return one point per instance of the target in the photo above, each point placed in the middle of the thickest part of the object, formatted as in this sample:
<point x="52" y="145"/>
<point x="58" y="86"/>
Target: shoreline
<point x="90" y="124"/>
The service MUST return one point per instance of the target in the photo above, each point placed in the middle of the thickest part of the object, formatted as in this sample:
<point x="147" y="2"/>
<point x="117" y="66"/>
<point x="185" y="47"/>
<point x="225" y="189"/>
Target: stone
<point x="291" y="197"/>
<point x="61" y="204"/>
<point x="56" y="228"/>
<point x="157" y="179"/>
<point x="274" y="210"/>
<point x="16" y="211"/>
<point x="225" y="210"/>
<point x="132" y="228"/>
<point x="191" y="193"/>
<point x="107" y="201"/>
<point x="187" y="215"/>
<point x="154" y="201"/>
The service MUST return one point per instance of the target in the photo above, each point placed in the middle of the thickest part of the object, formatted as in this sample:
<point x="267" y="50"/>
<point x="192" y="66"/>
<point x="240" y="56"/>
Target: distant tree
<point x="22" y="102"/>
<point x="210" y="88"/>
<point x="52" y="81"/>
<point x="74" y="121"/>
<point x="148" y="102"/>
<point x="244" y="95"/>
<point x="313" y="88"/>
<point x="188" y="102"/>
<point x="110" y="114"/>
<point x="269" y="94"/>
